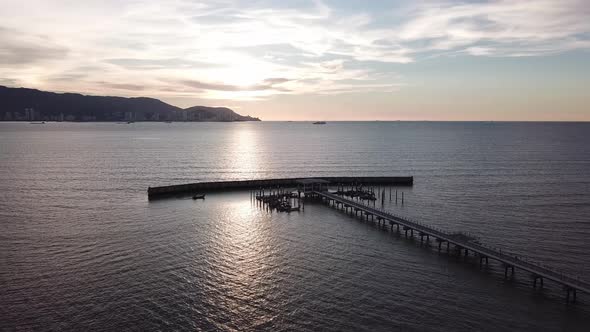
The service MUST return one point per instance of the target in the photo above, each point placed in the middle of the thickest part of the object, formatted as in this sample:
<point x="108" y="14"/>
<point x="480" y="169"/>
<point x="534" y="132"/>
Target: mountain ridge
<point x="24" y="104"/>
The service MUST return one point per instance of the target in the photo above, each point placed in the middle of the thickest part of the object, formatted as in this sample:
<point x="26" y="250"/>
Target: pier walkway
<point x="461" y="242"/>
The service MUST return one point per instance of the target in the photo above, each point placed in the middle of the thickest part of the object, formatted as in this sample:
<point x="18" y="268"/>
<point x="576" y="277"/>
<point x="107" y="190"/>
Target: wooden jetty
<point x="461" y="242"/>
<point x="155" y="192"/>
<point x="317" y="188"/>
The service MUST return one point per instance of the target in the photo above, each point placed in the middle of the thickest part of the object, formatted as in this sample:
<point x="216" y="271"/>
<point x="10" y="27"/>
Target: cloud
<point x="19" y="48"/>
<point x="9" y="81"/>
<point x="476" y="50"/>
<point x="276" y="80"/>
<point x="333" y="65"/>
<point x="153" y="64"/>
<point x="237" y="49"/>
<point x="116" y="86"/>
<point x="266" y="84"/>
<point x="511" y="28"/>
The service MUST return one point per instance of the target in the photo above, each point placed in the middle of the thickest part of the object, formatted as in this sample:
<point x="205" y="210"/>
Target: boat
<point x="199" y="196"/>
<point x="42" y="122"/>
<point x="320" y="122"/>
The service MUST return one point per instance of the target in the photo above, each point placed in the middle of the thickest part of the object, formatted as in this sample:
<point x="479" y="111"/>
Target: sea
<point x="83" y="249"/>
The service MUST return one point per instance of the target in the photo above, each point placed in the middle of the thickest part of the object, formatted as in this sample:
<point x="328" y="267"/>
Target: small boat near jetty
<point x="320" y="123"/>
<point x="199" y="196"/>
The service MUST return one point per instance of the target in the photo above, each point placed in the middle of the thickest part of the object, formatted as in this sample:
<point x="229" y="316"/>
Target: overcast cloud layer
<point x="252" y="50"/>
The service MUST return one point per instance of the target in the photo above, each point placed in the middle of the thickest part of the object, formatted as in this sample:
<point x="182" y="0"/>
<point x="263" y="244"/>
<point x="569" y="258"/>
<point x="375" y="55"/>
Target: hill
<point x="21" y="104"/>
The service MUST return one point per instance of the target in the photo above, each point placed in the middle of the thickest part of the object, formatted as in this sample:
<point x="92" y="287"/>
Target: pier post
<point x="506" y="267"/>
<point x="573" y="293"/>
<point x="535" y="277"/>
<point x="483" y="258"/>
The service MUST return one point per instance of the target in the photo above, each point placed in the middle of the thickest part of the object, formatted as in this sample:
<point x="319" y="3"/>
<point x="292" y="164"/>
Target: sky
<point x="311" y="60"/>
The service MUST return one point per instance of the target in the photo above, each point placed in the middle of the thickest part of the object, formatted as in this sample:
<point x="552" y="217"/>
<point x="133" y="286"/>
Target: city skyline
<point x="311" y="60"/>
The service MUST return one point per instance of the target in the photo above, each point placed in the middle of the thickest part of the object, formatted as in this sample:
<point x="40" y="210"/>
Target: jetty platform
<point x="155" y="192"/>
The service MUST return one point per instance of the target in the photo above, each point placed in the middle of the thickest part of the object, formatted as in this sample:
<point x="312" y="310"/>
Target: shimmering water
<point x="81" y="247"/>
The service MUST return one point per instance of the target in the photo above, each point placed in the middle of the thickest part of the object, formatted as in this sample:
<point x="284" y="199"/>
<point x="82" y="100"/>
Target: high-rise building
<point x="129" y="116"/>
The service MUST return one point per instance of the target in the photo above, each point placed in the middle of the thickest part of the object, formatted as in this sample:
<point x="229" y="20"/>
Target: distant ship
<point x="320" y="122"/>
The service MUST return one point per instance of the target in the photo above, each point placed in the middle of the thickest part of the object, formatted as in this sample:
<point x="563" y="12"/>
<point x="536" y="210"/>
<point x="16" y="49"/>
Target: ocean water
<point x="82" y="248"/>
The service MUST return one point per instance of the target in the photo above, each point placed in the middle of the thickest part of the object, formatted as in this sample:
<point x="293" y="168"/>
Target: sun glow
<point x="245" y="151"/>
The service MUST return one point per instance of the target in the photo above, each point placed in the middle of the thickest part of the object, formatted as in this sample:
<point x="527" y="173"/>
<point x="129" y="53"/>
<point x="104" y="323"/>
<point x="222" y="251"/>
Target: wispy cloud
<point x="267" y="84"/>
<point x="505" y="28"/>
<point x="232" y="49"/>
<point x="19" y="48"/>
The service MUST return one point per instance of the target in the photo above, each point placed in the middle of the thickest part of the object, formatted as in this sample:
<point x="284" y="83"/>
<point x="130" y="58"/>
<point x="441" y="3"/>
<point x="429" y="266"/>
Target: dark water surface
<point x="81" y="247"/>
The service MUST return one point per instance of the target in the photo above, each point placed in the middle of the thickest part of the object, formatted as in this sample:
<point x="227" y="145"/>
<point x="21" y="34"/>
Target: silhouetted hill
<point x="29" y="104"/>
<point x="219" y="113"/>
